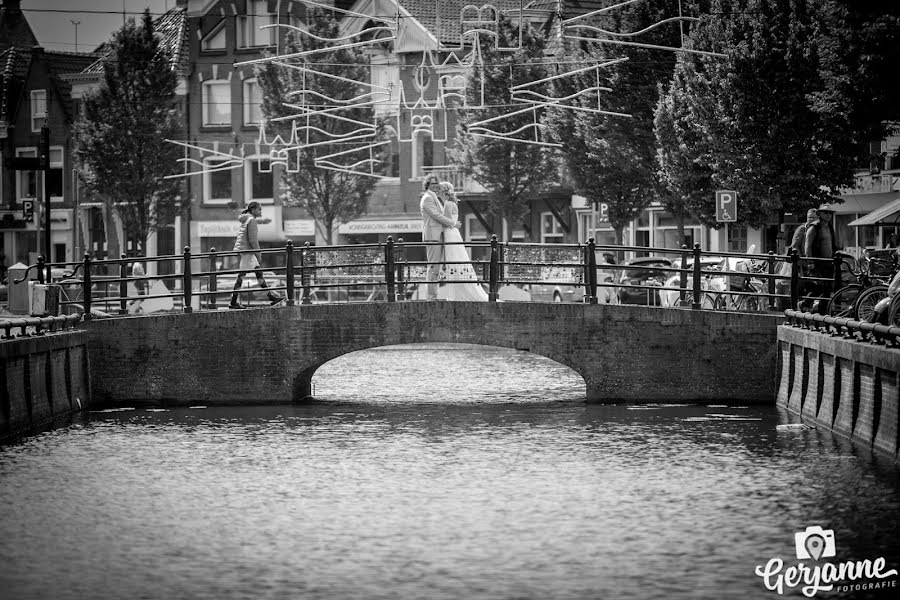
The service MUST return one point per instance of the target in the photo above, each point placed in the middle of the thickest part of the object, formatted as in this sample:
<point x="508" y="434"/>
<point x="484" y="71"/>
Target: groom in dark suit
<point x="433" y="224"/>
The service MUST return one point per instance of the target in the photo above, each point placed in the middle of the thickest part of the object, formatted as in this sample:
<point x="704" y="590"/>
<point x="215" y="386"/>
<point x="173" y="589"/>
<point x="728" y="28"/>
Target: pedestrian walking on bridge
<point x="248" y="239"/>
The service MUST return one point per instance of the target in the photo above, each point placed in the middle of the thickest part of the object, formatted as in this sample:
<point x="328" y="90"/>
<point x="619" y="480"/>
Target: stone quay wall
<point x="846" y="386"/>
<point x="269" y="355"/>
<point x="42" y="378"/>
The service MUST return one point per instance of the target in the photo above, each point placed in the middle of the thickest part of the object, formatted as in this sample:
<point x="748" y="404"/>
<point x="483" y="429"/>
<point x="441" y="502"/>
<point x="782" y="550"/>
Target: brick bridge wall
<point x="842" y="385"/>
<point x="624" y="353"/>
<point x="42" y="378"/>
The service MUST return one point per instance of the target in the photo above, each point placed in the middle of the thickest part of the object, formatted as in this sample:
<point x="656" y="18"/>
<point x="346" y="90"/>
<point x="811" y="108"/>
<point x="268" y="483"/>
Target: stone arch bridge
<point x="269" y="355"/>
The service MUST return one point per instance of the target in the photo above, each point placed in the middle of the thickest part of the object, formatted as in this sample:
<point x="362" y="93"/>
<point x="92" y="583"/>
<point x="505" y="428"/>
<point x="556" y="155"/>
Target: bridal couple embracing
<point x="440" y="223"/>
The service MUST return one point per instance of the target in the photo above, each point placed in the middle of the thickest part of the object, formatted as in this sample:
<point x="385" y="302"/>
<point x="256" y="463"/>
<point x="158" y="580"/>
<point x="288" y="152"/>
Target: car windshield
<point x="642" y="272"/>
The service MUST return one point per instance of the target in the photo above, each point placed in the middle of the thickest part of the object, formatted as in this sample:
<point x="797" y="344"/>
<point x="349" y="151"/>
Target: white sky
<point x="51" y="20"/>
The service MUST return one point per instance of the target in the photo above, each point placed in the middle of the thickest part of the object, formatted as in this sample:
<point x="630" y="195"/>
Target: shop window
<point x="551" y="231"/>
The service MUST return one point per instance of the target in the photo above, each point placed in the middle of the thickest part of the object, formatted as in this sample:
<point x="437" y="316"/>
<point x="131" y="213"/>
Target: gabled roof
<point x="14" y="64"/>
<point x="14" y="29"/>
<point x="442" y="18"/>
<point x="173" y="30"/>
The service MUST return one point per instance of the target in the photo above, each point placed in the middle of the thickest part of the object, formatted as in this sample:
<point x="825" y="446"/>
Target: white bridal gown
<point x="461" y="280"/>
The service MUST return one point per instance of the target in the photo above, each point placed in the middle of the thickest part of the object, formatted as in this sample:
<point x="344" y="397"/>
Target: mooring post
<point x="123" y="285"/>
<point x="493" y="285"/>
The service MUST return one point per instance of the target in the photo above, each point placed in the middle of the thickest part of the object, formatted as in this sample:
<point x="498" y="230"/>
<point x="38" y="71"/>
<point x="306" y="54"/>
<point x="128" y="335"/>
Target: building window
<point x="252" y="102"/>
<point x="215" y="39"/>
<point x="551" y="231"/>
<point x="260" y="181"/>
<point x="737" y="238"/>
<point x="422" y="154"/>
<point x="249" y="26"/>
<point x="54" y="177"/>
<point x="217" y="103"/>
<point x="26" y="182"/>
<point x="38" y="109"/>
<point x="216" y="183"/>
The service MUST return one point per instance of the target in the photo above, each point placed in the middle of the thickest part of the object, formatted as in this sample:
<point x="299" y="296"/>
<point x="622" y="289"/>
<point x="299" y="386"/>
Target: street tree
<point x="512" y="172"/>
<point x="778" y="119"/>
<point x="329" y="196"/>
<point x="610" y="155"/>
<point x="121" y="138"/>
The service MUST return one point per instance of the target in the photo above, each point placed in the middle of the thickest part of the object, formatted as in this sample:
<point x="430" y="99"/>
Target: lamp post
<point x="76" y="24"/>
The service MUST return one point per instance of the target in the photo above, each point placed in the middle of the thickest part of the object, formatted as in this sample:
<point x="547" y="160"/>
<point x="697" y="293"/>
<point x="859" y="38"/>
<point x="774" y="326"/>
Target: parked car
<point x="646" y="271"/>
<point x="671" y="297"/>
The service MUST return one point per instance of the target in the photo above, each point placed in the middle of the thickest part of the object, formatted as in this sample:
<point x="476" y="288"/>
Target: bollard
<point x="389" y="269"/>
<point x="86" y="284"/>
<point x="123" y="285"/>
<point x="771" y="280"/>
<point x="795" y="279"/>
<point x="186" y="280"/>
<point x="695" y="305"/>
<point x="213" y="279"/>
<point x="289" y="272"/>
<point x="304" y="274"/>
<point x="493" y="286"/>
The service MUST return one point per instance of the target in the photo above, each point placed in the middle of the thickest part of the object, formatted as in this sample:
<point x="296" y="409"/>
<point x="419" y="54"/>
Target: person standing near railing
<point x="821" y="243"/>
<point x="248" y="239"/>
<point x="433" y="224"/>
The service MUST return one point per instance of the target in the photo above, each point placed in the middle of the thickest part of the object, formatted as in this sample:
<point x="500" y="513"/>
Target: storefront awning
<point x="889" y="214"/>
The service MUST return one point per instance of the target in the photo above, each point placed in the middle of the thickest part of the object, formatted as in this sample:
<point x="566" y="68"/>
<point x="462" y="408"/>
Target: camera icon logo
<point x="814" y="543"/>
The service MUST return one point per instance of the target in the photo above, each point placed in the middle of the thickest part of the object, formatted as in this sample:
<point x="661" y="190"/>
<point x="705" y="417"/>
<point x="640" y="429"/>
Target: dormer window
<point x="249" y="27"/>
<point x="38" y="109"/>
<point x="215" y="39"/>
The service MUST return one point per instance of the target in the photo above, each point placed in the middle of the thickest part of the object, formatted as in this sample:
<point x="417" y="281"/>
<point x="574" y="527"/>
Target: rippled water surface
<point x="439" y="473"/>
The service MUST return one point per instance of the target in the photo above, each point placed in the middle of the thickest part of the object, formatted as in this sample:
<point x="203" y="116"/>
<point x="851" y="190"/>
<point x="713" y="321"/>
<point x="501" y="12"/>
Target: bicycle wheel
<point x="864" y="309"/>
<point x="842" y="302"/>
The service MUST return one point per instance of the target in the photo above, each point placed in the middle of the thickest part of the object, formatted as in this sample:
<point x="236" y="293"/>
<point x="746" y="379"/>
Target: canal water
<point x="438" y="472"/>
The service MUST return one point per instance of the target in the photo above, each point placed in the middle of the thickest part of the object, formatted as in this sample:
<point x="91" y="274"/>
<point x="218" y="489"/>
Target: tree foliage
<point x="121" y="139"/>
<point x="329" y="196"/>
<point x="611" y="157"/>
<point x="778" y="119"/>
<point x="512" y="172"/>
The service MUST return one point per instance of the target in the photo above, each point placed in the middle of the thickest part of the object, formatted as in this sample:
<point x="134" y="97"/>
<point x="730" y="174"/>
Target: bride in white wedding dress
<point x="461" y="280"/>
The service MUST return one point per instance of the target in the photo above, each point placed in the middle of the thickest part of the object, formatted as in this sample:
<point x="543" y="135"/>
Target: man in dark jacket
<point x="821" y="243"/>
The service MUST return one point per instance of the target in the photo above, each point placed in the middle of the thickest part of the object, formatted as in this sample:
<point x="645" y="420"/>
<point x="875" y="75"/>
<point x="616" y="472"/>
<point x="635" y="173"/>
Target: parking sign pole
<point x="45" y="166"/>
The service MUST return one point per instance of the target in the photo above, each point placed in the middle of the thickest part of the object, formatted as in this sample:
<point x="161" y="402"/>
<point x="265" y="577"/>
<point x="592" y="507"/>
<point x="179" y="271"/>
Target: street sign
<point x="726" y="206"/>
<point x="28" y="210"/>
<point x="602" y="212"/>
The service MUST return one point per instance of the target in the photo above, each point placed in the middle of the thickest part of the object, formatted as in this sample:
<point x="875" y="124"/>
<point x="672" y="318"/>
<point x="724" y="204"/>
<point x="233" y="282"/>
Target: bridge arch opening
<point x="441" y="373"/>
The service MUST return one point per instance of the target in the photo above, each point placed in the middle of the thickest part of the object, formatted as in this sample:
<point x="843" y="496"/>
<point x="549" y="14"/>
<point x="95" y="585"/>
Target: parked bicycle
<point x="858" y="300"/>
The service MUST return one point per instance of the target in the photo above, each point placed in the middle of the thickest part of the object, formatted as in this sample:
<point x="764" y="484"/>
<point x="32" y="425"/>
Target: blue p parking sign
<point x="726" y="206"/>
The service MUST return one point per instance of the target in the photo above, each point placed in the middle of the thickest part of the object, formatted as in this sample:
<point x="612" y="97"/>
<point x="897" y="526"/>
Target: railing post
<point x="40" y="272"/>
<point x="591" y="249"/>
<point x="86" y="285"/>
<point x="795" y="279"/>
<point x="837" y="282"/>
<point x="771" y="285"/>
<point x="304" y="274"/>
<point x="398" y="261"/>
<point x="695" y="305"/>
<point x="289" y="272"/>
<point x="123" y="285"/>
<point x="213" y="279"/>
<point x="186" y="279"/>
<point x="682" y="280"/>
<point x="389" y="269"/>
<point x="493" y="286"/>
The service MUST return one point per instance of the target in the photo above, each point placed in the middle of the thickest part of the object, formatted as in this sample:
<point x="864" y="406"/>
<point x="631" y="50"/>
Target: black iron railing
<point x="395" y="271"/>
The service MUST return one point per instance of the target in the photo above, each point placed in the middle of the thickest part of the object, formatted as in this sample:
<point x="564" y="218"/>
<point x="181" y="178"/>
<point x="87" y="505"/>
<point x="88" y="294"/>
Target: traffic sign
<point x="726" y="206"/>
<point x="28" y="210"/>
<point x="602" y="212"/>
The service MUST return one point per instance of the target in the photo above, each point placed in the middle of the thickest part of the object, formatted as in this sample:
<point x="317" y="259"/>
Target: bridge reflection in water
<point x="394" y="496"/>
